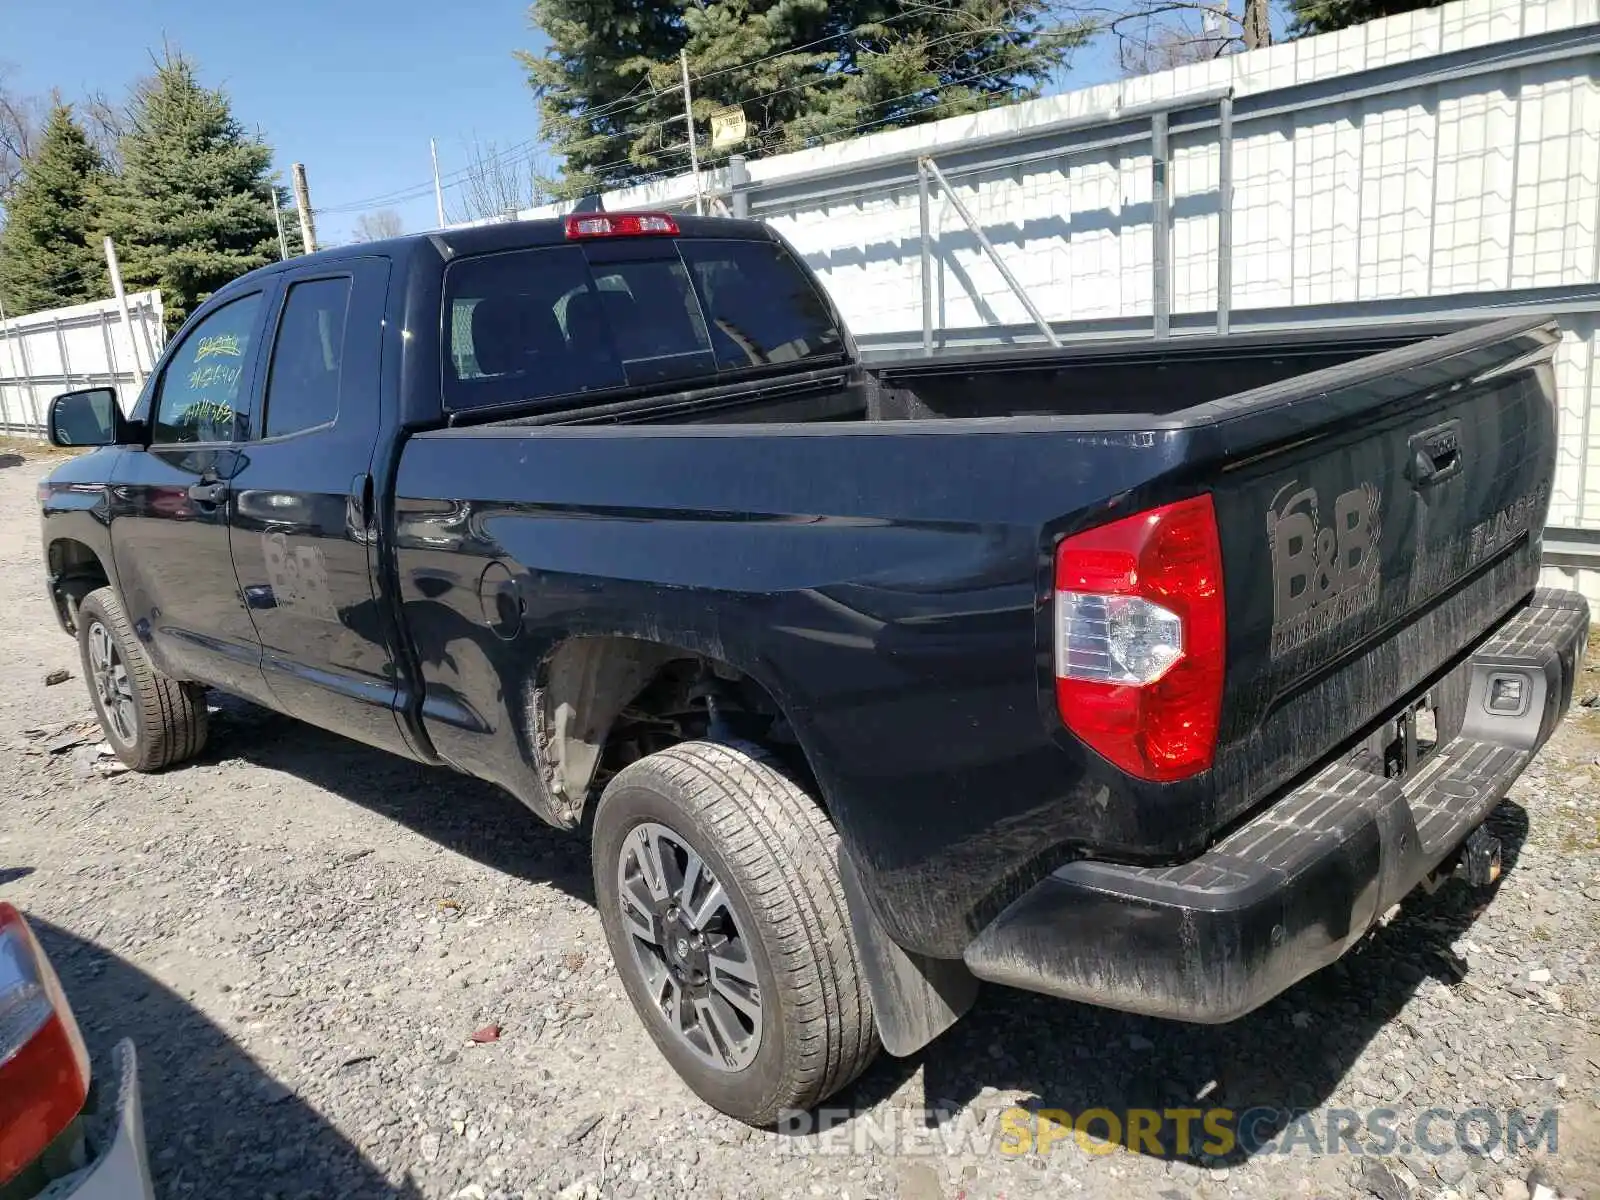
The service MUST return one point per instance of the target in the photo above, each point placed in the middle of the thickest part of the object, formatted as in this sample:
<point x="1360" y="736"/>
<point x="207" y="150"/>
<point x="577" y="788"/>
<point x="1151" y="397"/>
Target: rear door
<point x="1377" y="519"/>
<point x="304" y="511"/>
<point x="169" y="502"/>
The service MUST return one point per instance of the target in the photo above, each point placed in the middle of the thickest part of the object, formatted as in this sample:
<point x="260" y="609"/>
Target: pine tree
<point x="804" y="71"/>
<point x="1324" y="16"/>
<point x="49" y="254"/>
<point x="191" y="209"/>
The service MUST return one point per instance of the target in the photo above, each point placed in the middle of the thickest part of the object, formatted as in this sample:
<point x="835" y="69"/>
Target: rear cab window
<point x="554" y="323"/>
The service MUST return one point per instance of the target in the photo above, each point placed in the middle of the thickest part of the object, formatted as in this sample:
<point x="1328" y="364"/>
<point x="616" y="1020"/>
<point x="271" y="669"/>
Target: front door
<point x="304" y="516"/>
<point x="169" y="504"/>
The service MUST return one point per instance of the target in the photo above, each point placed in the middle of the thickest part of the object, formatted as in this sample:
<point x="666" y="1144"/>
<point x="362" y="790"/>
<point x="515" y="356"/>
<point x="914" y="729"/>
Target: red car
<point x="56" y="1132"/>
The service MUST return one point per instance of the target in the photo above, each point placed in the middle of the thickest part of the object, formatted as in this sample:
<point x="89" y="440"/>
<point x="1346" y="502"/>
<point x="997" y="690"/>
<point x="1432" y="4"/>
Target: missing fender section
<point x="585" y="685"/>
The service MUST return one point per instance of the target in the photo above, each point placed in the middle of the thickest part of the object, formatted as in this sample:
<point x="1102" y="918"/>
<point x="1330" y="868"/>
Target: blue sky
<point x="351" y="88"/>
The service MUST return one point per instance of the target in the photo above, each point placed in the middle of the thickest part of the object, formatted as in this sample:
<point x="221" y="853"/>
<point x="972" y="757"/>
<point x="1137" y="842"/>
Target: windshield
<point x="558" y="321"/>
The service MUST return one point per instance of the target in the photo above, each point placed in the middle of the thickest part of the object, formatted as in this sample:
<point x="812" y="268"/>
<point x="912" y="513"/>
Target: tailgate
<point x="1377" y="519"/>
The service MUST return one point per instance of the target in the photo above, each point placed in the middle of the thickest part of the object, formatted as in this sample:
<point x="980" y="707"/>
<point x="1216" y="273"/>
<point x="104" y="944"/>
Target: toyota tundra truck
<point x="1144" y="674"/>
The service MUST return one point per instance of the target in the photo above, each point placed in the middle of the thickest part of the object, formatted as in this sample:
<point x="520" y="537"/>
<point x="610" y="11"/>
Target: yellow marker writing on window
<point x="221" y="345"/>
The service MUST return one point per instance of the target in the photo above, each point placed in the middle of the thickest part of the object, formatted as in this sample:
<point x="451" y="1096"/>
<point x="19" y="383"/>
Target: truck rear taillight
<point x="44" y="1068"/>
<point x="604" y="225"/>
<point x="1140" y="645"/>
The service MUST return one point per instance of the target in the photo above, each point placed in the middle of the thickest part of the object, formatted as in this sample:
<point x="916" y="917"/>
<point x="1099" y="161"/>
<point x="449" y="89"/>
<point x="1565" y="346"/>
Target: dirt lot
<point x="301" y="935"/>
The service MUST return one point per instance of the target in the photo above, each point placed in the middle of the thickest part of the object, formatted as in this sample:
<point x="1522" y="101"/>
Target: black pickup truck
<point x="1148" y="675"/>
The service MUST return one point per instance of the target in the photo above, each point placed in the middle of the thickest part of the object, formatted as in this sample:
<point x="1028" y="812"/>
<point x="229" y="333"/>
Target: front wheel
<point x="150" y="721"/>
<point x="718" y="886"/>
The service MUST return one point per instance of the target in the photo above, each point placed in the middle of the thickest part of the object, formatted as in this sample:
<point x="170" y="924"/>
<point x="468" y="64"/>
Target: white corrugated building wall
<point x="1440" y="162"/>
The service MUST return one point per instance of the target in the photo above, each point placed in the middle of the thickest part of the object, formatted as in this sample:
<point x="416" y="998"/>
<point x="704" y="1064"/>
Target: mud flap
<point x="914" y="998"/>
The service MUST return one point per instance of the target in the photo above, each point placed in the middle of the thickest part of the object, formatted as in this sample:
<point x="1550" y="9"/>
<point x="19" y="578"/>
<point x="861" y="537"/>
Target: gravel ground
<point x="302" y="935"/>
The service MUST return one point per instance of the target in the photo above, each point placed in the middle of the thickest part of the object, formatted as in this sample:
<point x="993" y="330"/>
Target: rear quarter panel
<point x="889" y="584"/>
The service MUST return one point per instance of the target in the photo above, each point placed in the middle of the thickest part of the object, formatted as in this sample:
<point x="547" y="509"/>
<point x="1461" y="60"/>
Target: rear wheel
<point x="150" y="721"/>
<point x="719" y="891"/>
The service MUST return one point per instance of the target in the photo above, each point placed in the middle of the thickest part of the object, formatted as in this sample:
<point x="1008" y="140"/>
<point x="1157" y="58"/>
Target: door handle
<point x="361" y="498"/>
<point x="214" y="492"/>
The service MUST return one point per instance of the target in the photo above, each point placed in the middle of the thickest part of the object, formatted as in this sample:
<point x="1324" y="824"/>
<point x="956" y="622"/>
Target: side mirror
<point x="90" y="417"/>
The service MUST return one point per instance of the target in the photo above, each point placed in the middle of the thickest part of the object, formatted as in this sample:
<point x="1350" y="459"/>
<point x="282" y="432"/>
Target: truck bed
<point x="1120" y="380"/>
<point x="889" y="577"/>
<point x="1102" y="383"/>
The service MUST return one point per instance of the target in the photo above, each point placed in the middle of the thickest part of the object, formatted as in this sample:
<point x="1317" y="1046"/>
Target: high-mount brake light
<point x="44" y="1067"/>
<point x="1140" y="639"/>
<point x="581" y="226"/>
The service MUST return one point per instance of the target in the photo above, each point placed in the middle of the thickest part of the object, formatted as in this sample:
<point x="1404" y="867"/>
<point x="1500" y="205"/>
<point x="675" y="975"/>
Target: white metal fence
<point x="1443" y="163"/>
<point x="84" y="345"/>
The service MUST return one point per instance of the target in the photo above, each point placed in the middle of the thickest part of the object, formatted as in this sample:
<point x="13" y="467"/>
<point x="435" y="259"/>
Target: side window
<point x="303" y="377"/>
<point x="199" y="398"/>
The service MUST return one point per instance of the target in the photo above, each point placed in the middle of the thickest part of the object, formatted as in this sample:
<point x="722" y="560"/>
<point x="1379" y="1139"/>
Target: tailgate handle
<point x="1435" y="455"/>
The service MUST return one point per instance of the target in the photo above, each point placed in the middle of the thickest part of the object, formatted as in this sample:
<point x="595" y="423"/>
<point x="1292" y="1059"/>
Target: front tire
<point x="718" y="883"/>
<point x="150" y="721"/>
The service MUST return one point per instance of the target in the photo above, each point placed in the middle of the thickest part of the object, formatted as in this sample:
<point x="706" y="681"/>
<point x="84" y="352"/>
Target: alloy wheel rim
<point x="112" y="687"/>
<point x="689" y="948"/>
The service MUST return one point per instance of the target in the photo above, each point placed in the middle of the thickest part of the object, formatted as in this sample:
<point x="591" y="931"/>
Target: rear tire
<point x="802" y="1028"/>
<point x="150" y="721"/>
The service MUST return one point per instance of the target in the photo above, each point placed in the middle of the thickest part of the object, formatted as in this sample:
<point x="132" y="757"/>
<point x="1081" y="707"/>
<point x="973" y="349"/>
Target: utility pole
<point x="438" y="192"/>
<point x="127" y="317"/>
<point x="1257" y="28"/>
<point x="277" y="219"/>
<point x="302" y="201"/>
<point x="688" y="119"/>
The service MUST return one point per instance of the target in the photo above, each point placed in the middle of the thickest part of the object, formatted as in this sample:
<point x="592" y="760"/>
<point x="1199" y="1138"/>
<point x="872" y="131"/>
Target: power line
<point x="611" y="108"/>
<point x="455" y="179"/>
<point x="74" y="275"/>
<point x="957" y="36"/>
<point x="614" y="107"/>
<point x="755" y="62"/>
<point x="629" y="95"/>
<point x="775" y="135"/>
<point x="414" y="191"/>
<point x="822" y="81"/>
<point x="853" y="130"/>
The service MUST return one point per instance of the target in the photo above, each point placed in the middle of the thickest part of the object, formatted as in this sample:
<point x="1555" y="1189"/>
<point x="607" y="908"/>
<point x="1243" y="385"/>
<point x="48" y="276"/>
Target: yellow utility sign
<point x="727" y="127"/>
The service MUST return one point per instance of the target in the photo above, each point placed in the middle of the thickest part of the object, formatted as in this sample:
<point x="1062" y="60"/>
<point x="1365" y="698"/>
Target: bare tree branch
<point x="497" y="184"/>
<point x="21" y="120"/>
<point x="376" y="226"/>
<point x="23" y="117"/>
<point x="1157" y="35"/>
<point x="105" y="121"/>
